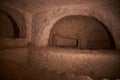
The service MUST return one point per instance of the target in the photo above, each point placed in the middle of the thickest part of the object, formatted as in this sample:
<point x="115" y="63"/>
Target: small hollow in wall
<point x="65" y="42"/>
<point x="81" y="32"/>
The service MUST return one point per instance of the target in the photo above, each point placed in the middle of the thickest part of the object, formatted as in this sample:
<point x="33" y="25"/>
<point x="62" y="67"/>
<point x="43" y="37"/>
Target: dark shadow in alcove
<point x="112" y="42"/>
<point x="16" y="31"/>
<point x="15" y="27"/>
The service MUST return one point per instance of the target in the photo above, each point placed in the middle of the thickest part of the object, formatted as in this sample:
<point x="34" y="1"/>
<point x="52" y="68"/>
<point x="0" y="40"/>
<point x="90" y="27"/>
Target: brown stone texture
<point x="97" y="64"/>
<point x="64" y="42"/>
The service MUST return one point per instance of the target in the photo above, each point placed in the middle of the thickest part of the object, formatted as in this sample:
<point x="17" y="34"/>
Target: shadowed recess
<point x="9" y="27"/>
<point x="81" y="32"/>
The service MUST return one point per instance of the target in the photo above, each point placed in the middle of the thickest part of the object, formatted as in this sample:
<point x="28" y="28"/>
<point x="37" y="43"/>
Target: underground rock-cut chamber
<point x="81" y="32"/>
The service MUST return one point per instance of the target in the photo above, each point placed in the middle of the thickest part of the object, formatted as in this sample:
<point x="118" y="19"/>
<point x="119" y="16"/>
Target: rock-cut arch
<point x="8" y="27"/>
<point x="17" y="21"/>
<point x="81" y="32"/>
<point x="41" y="31"/>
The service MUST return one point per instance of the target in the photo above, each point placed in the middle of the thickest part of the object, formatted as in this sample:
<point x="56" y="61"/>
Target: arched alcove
<point x="12" y="28"/>
<point x="81" y="32"/>
<point x="17" y="19"/>
<point x="8" y="27"/>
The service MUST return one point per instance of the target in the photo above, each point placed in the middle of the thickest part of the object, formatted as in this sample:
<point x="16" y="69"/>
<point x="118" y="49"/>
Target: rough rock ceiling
<point x="35" y="5"/>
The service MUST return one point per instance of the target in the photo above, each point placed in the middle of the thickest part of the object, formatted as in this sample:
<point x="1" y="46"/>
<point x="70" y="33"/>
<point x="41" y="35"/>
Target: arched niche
<point x="81" y="32"/>
<point x="8" y="26"/>
<point x="12" y="28"/>
<point x="12" y="24"/>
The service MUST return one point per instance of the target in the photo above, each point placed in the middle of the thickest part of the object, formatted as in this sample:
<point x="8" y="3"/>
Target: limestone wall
<point x="73" y="62"/>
